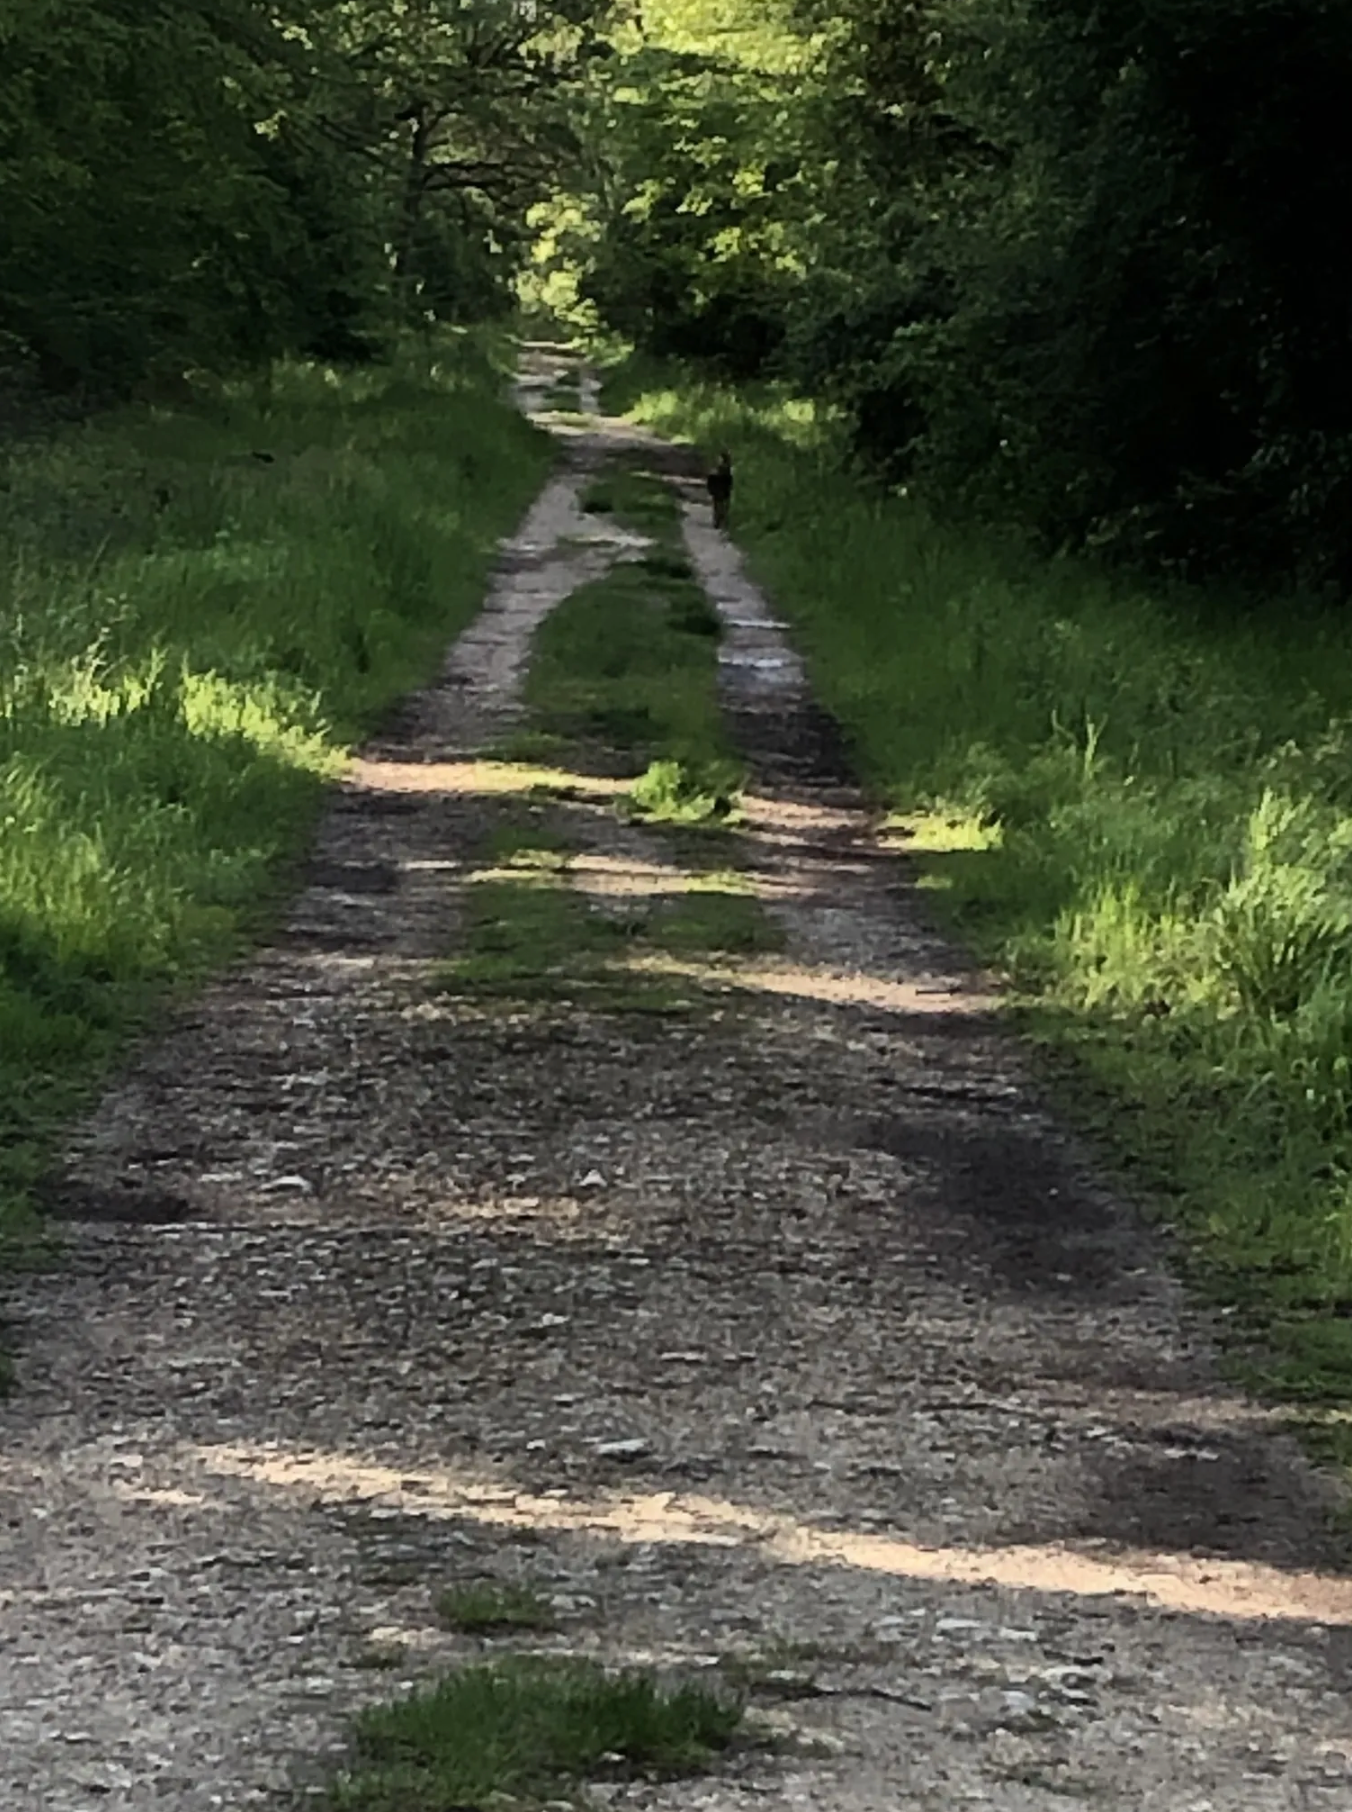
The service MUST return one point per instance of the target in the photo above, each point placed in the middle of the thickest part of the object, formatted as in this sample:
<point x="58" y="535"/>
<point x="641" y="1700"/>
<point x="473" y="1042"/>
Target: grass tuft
<point x="679" y="792"/>
<point x="719" y="923"/>
<point x="536" y="941"/>
<point x="487" y="1606"/>
<point x="531" y="938"/>
<point x="529" y="1727"/>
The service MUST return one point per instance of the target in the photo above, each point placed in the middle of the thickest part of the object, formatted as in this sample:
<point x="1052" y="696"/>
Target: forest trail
<point x="776" y="1330"/>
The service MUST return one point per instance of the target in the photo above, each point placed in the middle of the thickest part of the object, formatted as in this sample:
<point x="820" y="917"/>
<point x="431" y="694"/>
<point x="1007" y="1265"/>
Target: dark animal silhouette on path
<point x="719" y="482"/>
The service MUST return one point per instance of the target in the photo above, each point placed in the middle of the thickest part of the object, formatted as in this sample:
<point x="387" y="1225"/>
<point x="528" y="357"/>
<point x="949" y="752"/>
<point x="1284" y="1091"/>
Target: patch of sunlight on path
<point x="1242" y="1591"/>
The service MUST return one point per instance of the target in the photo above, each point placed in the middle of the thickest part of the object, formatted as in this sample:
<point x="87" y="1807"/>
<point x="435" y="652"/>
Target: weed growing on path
<point x="714" y="921"/>
<point x="529" y="941"/>
<point x="532" y="1727"/>
<point x="639" y="500"/>
<point x="1139" y="803"/>
<point x="200" y="611"/>
<point x="488" y="1607"/>
<point x="530" y="938"/>
<point x="689" y="793"/>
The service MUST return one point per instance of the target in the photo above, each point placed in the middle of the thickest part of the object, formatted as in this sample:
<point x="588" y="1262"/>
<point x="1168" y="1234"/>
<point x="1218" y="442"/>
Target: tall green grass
<point x="199" y="611"/>
<point x="1138" y="802"/>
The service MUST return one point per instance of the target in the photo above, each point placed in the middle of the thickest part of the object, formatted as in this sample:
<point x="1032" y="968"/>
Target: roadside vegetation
<point x="200" y="609"/>
<point x="1136" y="800"/>
<point x="258" y="223"/>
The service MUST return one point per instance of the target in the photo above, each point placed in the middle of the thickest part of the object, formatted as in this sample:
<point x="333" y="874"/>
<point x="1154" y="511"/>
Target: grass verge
<point x="199" y="611"/>
<point x="529" y="1728"/>
<point x="1138" y="802"/>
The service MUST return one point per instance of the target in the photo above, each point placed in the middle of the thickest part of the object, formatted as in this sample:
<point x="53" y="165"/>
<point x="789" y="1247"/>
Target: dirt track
<point x="786" y="1328"/>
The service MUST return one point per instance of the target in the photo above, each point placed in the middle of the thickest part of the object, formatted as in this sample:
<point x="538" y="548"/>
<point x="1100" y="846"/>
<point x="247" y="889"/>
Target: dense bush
<point x="216" y="182"/>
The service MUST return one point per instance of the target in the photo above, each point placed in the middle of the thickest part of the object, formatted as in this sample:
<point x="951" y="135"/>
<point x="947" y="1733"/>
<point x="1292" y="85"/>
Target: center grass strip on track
<point x="201" y="610"/>
<point x="532" y="937"/>
<point x="627" y="668"/>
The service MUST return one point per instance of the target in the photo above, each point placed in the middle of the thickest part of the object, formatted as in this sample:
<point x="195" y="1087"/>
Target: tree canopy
<point x="1075" y="264"/>
<point x="207" y="180"/>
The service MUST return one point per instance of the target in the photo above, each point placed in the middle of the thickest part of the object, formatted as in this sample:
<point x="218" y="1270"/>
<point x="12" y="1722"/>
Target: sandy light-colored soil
<point x="787" y="1328"/>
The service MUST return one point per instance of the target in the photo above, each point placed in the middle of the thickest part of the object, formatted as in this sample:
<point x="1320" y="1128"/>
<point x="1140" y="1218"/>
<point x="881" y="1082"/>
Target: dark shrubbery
<point x="1076" y="267"/>
<point x="213" y="183"/>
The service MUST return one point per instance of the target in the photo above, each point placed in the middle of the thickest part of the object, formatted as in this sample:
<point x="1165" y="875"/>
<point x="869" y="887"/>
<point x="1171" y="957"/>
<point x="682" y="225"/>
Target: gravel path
<point x="787" y="1328"/>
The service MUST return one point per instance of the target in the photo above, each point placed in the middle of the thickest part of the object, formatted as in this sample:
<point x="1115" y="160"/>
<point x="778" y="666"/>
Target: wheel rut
<point x="789" y="1330"/>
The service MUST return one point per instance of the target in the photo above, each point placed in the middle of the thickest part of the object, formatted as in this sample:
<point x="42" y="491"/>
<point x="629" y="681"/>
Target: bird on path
<point x="719" y="483"/>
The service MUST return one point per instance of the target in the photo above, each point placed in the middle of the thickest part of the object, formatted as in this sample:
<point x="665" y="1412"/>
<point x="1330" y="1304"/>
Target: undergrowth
<point x="489" y="1607"/>
<point x="1136" y="801"/>
<point x="199" y="610"/>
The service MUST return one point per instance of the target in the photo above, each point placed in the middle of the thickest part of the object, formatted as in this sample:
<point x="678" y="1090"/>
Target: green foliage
<point x="1152" y="801"/>
<point x="464" y="116"/>
<point x="676" y="232"/>
<point x="190" y="638"/>
<point x="1063" y="266"/>
<point x="145" y="215"/>
<point x="209" y="183"/>
<point x="1140" y="343"/>
<point x="528" y="1726"/>
<point x="684" y="792"/>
